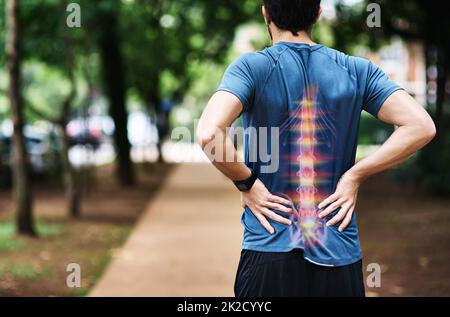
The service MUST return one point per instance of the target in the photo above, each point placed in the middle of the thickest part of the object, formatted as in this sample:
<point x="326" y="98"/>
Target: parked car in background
<point x="42" y="150"/>
<point x="92" y="131"/>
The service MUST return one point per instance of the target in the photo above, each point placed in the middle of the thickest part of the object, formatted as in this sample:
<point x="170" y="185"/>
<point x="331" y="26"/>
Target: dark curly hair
<point x="293" y="15"/>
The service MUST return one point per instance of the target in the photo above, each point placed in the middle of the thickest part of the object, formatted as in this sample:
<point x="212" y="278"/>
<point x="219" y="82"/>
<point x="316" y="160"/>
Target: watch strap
<point x="246" y="184"/>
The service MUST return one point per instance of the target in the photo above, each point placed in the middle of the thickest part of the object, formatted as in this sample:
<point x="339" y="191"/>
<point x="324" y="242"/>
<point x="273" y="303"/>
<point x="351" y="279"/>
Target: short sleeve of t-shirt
<point x="239" y="80"/>
<point x="377" y="89"/>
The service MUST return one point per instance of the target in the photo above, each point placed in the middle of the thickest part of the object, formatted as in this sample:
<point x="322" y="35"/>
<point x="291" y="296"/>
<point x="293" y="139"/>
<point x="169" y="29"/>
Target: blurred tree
<point x="22" y="189"/>
<point x="163" y="38"/>
<point x="109" y="41"/>
<point x="53" y="43"/>
<point x="98" y="37"/>
<point x="60" y="118"/>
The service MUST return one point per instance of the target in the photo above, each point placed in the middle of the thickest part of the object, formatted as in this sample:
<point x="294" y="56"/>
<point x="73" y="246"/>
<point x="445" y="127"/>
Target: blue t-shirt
<point x="301" y="113"/>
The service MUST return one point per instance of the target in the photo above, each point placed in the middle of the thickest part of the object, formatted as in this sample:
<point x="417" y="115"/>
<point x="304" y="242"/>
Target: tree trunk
<point x="113" y="77"/>
<point x="21" y="187"/>
<point x="70" y="176"/>
<point x="162" y="118"/>
<point x="440" y="91"/>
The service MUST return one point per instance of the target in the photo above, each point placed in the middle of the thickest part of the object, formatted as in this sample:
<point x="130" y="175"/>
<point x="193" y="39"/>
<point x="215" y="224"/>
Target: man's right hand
<point x="261" y="203"/>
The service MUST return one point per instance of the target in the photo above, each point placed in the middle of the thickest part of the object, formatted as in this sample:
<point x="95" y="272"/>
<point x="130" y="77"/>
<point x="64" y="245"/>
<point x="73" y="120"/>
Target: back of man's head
<point x="293" y="15"/>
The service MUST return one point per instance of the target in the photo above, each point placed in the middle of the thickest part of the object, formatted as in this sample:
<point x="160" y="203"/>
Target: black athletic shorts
<point x="288" y="274"/>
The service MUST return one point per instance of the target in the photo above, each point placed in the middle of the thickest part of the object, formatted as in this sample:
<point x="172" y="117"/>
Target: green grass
<point x="29" y="272"/>
<point x="79" y="292"/>
<point x="10" y="242"/>
<point x="49" y="230"/>
<point x="7" y="240"/>
<point x="24" y="271"/>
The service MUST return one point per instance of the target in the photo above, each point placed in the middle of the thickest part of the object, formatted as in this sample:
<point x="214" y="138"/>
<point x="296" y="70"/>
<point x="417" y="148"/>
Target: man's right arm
<point x="220" y="112"/>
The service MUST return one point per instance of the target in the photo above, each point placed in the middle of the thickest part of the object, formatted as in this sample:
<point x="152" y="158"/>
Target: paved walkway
<point x="186" y="243"/>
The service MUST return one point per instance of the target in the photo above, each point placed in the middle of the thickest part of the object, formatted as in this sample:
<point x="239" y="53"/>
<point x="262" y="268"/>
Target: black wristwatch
<point x="246" y="184"/>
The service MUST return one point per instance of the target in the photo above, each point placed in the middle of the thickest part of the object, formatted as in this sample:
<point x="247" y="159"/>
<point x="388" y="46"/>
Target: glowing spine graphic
<point x="311" y="230"/>
<point x="306" y="162"/>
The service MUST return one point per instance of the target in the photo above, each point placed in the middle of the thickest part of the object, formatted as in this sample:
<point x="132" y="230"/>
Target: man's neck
<point x="303" y="37"/>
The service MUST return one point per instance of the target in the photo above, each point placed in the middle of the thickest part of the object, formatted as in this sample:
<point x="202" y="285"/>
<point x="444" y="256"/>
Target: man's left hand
<point x="344" y="198"/>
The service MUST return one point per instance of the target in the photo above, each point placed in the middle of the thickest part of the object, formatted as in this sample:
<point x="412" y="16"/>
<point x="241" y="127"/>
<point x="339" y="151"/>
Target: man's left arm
<point x="415" y="130"/>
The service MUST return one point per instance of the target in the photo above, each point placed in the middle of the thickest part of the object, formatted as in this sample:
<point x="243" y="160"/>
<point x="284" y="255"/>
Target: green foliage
<point x="4" y="107"/>
<point x="350" y="31"/>
<point x="2" y="33"/>
<point x="159" y="39"/>
<point x="44" y="87"/>
<point x="4" y="103"/>
<point x="43" y="26"/>
<point x="163" y="39"/>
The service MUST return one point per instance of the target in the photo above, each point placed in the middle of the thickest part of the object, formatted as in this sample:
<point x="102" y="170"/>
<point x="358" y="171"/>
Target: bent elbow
<point x="428" y="130"/>
<point x="205" y="137"/>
